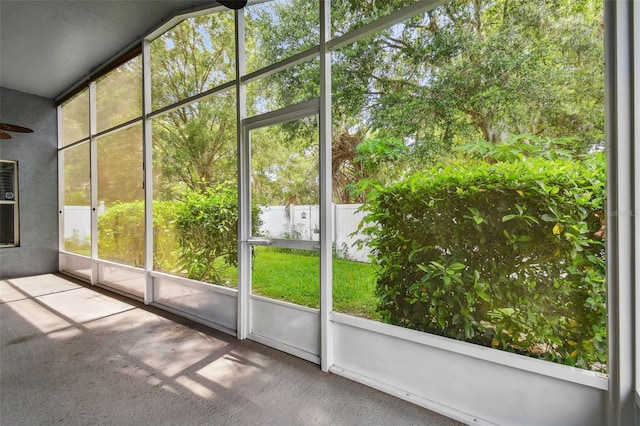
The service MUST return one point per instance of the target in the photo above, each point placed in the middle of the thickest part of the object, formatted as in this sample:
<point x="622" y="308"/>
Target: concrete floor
<point x="74" y="354"/>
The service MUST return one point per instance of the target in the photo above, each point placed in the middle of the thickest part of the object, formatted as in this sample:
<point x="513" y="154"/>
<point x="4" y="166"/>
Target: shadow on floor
<point x="75" y="354"/>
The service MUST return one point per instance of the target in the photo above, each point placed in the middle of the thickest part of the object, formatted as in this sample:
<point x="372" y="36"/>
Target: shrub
<point x="121" y="233"/>
<point x="505" y="255"/>
<point x="207" y="229"/>
<point x="166" y="253"/>
<point x="195" y="237"/>
<point x="121" y="236"/>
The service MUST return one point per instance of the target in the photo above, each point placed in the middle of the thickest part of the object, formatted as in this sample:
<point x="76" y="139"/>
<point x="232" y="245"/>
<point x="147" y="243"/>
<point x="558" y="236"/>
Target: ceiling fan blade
<point x="233" y="4"/>
<point x="4" y="135"/>
<point x="14" y="128"/>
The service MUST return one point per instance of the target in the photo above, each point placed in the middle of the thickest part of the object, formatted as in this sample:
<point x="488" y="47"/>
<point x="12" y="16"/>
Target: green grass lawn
<point x="295" y="278"/>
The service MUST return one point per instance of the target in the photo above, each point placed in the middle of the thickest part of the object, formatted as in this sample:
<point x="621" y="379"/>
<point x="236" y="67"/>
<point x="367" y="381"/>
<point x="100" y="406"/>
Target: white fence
<point x="77" y="221"/>
<point x="303" y="222"/>
<point x="295" y="222"/>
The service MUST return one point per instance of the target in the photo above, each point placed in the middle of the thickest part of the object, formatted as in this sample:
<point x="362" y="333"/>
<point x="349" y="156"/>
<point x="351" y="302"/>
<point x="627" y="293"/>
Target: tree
<point x="284" y="165"/>
<point x="77" y="177"/>
<point x="75" y="118"/>
<point x="195" y="145"/>
<point x="473" y="69"/>
<point x="486" y="68"/>
<point x="119" y="95"/>
<point x="120" y="172"/>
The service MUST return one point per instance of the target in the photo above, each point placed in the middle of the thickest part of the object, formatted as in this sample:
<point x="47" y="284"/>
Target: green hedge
<point x="504" y="255"/>
<point x="195" y="237"/>
<point x="207" y="229"/>
<point x="166" y="256"/>
<point x="121" y="233"/>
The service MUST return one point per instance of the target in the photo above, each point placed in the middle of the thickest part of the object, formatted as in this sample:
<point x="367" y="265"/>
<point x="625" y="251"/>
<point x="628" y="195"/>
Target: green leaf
<point x="456" y="266"/>
<point x="484" y="296"/>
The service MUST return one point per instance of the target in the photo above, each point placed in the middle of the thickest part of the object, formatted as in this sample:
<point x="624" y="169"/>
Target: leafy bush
<point x="505" y="255"/>
<point x="195" y="237"/>
<point x="520" y="147"/>
<point x="166" y="257"/>
<point x="207" y="229"/>
<point x="121" y="234"/>
<point x="75" y="244"/>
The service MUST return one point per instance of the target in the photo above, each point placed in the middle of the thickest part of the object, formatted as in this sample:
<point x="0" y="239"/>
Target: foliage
<point x="504" y="255"/>
<point x="485" y="68"/>
<point x="195" y="237"/>
<point x="520" y="147"/>
<point x="119" y="95"/>
<point x="195" y="55"/>
<point x="279" y="29"/>
<point x="166" y="257"/>
<point x="76" y="176"/>
<point x="75" y="244"/>
<point x="207" y="230"/>
<point x="284" y="169"/>
<point x="194" y="146"/>
<point x="465" y="70"/>
<point x="75" y="118"/>
<point x="120" y="176"/>
<point x="121" y="231"/>
<point x="355" y="158"/>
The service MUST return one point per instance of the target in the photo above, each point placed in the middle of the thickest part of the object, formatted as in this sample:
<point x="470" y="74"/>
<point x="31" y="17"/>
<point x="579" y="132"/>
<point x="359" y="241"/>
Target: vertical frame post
<point x="244" y="188"/>
<point x="326" y="191"/>
<point x="623" y="191"/>
<point x="147" y="166"/>
<point x="636" y="131"/>
<point x="61" y="200"/>
<point x="93" y="173"/>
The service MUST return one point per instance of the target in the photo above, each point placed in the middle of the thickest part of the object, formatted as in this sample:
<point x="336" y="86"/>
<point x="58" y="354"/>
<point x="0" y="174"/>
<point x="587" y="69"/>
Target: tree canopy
<point x="403" y="98"/>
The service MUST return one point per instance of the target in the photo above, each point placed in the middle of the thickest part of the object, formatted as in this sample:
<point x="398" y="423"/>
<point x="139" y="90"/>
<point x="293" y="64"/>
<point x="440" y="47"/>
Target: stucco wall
<point x="36" y="154"/>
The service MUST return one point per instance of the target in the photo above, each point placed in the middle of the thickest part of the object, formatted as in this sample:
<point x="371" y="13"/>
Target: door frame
<point x="281" y="313"/>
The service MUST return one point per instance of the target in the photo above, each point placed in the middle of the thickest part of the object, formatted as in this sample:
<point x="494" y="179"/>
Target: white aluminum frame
<point x="244" y="187"/>
<point x="93" y="173"/>
<point x="148" y="169"/>
<point x="636" y="119"/>
<point x="326" y="191"/>
<point x="247" y="302"/>
<point x="622" y="35"/>
<point x="622" y="103"/>
<point x="290" y="113"/>
<point x="60" y="186"/>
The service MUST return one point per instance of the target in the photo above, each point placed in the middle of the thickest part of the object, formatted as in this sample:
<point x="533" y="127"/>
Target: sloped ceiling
<point x="48" y="46"/>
